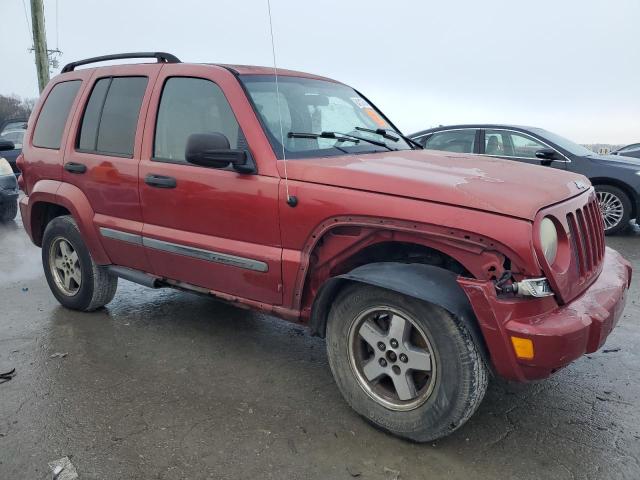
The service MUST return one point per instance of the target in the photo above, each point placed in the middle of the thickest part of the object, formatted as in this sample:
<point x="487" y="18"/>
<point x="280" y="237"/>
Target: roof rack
<point x="161" y="56"/>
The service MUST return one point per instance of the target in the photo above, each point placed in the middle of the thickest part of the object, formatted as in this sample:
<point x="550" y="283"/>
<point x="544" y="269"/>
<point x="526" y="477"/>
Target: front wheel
<point x="74" y="278"/>
<point x="615" y="207"/>
<point x="407" y="366"/>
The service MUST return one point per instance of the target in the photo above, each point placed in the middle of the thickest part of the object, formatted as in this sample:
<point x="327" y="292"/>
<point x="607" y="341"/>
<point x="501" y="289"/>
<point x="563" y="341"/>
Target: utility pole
<point x="40" y="43"/>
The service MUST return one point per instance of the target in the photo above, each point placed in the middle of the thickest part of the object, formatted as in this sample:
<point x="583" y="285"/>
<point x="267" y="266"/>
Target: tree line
<point x="13" y="106"/>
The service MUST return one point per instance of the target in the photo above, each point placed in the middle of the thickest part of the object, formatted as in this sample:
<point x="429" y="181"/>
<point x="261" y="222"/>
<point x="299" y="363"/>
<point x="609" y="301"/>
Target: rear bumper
<point x="560" y="335"/>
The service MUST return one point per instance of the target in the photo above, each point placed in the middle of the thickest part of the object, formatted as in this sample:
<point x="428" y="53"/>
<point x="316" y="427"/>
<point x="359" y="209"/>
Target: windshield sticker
<point x="373" y="115"/>
<point x="360" y="102"/>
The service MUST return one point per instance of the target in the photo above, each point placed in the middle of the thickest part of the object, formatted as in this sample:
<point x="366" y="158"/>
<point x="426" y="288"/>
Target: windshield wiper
<point x="341" y="137"/>
<point x="313" y="136"/>
<point x="383" y="132"/>
<point x="379" y="131"/>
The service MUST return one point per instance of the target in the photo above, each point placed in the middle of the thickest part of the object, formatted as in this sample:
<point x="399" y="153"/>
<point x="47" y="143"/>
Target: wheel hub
<point x="611" y="207"/>
<point x="64" y="265"/>
<point x="392" y="359"/>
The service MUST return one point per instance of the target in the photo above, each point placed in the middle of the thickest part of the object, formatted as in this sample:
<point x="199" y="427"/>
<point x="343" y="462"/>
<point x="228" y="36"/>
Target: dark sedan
<point x="616" y="178"/>
<point x="632" y="150"/>
<point x="13" y="131"/>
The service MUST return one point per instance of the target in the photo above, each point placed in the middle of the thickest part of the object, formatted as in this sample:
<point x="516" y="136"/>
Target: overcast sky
<point x="571" y="66"/>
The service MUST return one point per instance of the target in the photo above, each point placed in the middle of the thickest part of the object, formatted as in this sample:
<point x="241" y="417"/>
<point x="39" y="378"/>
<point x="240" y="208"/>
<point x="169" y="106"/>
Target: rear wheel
<point x="615" y="207"/>
<point x="74" y="278"/>
<point x="8" y="211"/>
<point x="407" y="366"/>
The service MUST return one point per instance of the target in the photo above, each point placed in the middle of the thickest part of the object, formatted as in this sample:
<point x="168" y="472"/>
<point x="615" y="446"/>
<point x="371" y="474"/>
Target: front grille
<point x="586" y="229"/>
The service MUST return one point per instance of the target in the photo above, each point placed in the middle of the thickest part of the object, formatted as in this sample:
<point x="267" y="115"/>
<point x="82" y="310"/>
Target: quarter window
<point x="54" y="113"/>
<point x="111" y="116"/>
<point x="460" y="141"/>
<point x="188" y="106"/>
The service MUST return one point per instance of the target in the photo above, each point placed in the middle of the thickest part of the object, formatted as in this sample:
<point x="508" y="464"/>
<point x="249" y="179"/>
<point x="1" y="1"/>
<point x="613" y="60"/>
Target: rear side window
<point x="111" y="116"/>
<point x="54" y="113"/>
<point x="460" y="141"/>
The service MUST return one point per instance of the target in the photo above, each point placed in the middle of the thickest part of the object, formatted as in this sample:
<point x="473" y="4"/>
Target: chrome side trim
<point x="122" y="236"/>
<point x="211" y="256"/>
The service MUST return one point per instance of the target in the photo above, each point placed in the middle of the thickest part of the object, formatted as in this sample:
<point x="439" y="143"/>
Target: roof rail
<point x="161" y="56"/>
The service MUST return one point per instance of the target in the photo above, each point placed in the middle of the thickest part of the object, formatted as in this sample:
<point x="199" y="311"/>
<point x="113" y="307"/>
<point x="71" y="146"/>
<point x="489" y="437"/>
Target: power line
<point x="26" y="17"/>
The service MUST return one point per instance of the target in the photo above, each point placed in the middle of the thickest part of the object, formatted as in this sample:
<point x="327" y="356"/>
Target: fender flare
<point x="424" y="282"/>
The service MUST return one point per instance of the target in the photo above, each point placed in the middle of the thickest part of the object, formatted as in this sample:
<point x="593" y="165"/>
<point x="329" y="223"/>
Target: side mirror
<point x="546" y="154"/>
<point x="212" y="150"/>
<point x="6" y="145"/>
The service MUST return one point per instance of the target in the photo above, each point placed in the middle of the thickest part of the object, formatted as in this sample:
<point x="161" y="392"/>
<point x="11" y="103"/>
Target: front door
<point x="212" y="228"/>
<point x="517" y="146"/>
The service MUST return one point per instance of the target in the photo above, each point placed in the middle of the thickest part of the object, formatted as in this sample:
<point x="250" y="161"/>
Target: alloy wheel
<point x="65" y="266"/>
<point x="611" y="207"/>
<point x="392" y="358"/>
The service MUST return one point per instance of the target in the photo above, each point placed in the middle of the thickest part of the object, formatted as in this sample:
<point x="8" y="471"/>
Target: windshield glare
<point x="564" y="143"/>
<point x="315" y="106"/>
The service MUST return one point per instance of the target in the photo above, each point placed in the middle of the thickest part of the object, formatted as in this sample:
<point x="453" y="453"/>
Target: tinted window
<point x="111" y="115"/>
<point x="91" y="118"/>
<point x="461" y="141"/>
<point x="510" y="144"/>
<point x="192" y="105"/>
<point x="54" y="113"/>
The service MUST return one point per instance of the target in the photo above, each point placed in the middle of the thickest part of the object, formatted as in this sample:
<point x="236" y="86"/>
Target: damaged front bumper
<point x="559" y="334"/>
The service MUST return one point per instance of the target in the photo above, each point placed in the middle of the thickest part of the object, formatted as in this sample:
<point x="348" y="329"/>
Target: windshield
<point x="311" y="107"/>
<point x="568" y="145"/>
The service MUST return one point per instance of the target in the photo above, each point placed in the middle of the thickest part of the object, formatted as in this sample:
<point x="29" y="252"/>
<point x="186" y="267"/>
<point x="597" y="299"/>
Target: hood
<point x="482" y="183"/>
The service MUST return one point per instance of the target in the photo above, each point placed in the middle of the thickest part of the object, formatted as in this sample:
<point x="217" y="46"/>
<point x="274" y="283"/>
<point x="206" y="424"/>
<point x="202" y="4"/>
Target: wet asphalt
<point x="167" y="385"/>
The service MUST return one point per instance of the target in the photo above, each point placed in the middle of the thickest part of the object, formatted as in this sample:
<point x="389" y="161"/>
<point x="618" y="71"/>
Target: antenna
<point x="292" y="201"/>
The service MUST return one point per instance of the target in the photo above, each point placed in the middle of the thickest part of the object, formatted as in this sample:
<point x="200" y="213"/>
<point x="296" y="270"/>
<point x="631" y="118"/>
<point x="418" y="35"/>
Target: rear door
<point x="515" y="145"/>
<point x="103" y="156"/>
<point x="463" y="140"/>
<point x="212" y="228"/>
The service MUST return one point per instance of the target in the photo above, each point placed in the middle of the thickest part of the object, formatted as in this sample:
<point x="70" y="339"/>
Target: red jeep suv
<point x="292" y="194"/>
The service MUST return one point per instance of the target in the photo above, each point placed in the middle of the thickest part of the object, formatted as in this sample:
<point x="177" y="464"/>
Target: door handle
<point x="73" y="167"/>
<point x="160" y="181"/>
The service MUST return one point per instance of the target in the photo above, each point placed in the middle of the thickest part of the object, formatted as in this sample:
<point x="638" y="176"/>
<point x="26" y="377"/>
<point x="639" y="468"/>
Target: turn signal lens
<point x="523" y="347"/>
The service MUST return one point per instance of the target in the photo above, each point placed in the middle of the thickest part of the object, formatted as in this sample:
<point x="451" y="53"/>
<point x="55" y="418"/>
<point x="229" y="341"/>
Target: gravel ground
<point x="168" y="385"/>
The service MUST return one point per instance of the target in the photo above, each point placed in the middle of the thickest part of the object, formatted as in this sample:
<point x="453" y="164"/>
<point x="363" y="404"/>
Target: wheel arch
<point x="424" y="282"/>
<point x="68" y="199"/>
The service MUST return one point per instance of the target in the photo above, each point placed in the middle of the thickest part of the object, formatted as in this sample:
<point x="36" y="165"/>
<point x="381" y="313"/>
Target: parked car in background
<point x="13" y="130"/>
<point x="8" y="185"/>
<point x="294" y="195"/>
<point x="616" y="178"/>
<point x="632" y="150"/>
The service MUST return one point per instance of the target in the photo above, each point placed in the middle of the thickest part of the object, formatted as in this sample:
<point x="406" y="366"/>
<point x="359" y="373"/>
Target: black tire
<point x="460" y="380"/>
<point x="97" y="286"/>
<point x="8" y="211"/>
<point x="606" y="191"/>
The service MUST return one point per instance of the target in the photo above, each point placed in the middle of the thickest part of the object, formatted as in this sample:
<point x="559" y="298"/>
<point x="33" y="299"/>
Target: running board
<point x="135" y="276"/>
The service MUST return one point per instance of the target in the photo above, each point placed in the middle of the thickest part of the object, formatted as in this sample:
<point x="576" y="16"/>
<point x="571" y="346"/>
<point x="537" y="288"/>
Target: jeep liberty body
<point x="427" y="272"/>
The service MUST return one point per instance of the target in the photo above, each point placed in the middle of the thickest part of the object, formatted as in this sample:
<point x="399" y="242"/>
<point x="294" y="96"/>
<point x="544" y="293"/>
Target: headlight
<point x="5" y="168"/>
<point x="549" y="239"/>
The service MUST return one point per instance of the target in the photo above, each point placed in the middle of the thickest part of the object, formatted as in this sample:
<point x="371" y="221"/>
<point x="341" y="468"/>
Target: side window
<point x="54" y="113"/>
<point x="111" y="116"/>
<point x="525" y="146"/>
<point x="510" y="144"/>
<point x="461" y="141"/>
<point x="188" y="106"/>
